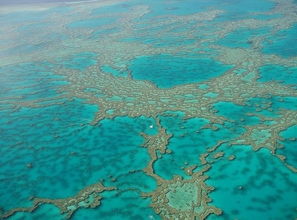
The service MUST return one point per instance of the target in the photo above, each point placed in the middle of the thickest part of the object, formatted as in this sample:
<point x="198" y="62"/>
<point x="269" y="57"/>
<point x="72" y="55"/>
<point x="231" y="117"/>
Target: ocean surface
<point x="129" y="109"/>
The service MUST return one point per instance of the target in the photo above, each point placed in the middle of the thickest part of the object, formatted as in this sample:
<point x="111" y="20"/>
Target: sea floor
<point x="129" y="109"/>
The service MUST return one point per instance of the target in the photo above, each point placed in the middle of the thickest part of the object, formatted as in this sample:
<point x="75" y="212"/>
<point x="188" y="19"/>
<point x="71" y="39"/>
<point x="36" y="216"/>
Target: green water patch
<point x="190" y="139"/>
<point x="242" y="37"/>
<point x="289" y="149"/>
<point x="167" y="71"/>
<point x="283" y="74"/>
<point x="255" y="185"/>
<point x="283" y="43"/>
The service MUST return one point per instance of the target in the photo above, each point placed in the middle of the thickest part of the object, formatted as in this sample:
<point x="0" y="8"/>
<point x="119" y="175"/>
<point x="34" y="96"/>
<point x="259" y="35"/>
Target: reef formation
<point x="171" y="66"/>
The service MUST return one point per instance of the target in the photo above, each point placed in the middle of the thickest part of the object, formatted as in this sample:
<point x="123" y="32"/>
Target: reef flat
<point x="148" y="109"/>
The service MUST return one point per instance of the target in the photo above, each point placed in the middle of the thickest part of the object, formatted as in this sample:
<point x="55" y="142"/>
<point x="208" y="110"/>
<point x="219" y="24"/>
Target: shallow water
<point x="148" y="109"/>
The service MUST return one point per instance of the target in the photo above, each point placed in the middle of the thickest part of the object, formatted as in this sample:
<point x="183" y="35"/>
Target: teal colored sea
<point x="129" y="109"/>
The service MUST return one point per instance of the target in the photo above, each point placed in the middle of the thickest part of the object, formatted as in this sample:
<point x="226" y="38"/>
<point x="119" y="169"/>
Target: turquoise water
<point x="79" y="61"/>
<point x="237" y="113"/>
<point x="45" y="211"/>
<point x="283" y="74"/>
<point x="233" y="7"/>
<point x="22" y="17"/>
<point x="271" y="106"/>
<point x="241" y="37"/>
<point x="168" y="71"/>
<point x="37" y="78"/>
<point x="282" y="43"/>
<point x="166" y="41"/>
<point x="174" y="7"/>
<point x="91" y="23"/>
<point x="289" y="149"/>
<point x="141" y="97"/>
<point x="69" y="154"/>
<point x="102" y="33"/>
<point x="238" y="9"/>
<point x="256" y="184"/>
<point x="242" y="6"/>
<point x="190" y="139"/>
<point x="115" y="207"/>
<point x="113" y="9"/>
<point x="65" y="149"/>
<point x="23" y="49"/>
